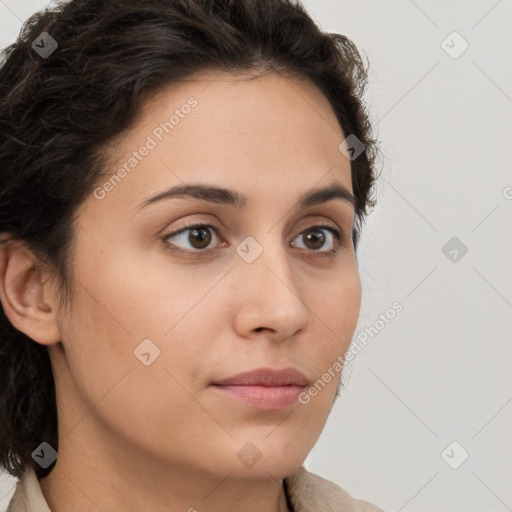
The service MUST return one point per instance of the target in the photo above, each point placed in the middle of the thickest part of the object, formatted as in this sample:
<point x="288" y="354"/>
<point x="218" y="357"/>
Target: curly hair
<point x="60" y="111"/>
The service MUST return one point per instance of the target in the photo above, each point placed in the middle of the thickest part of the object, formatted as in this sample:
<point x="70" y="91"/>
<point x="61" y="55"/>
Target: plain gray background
<point x="433" y="385"/>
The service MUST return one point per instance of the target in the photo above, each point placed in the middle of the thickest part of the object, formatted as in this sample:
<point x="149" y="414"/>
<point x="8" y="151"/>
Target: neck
<point x="124" y="481"/>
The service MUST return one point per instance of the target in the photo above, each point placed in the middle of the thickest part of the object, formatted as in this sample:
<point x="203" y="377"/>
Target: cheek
<point x="136" y="401"/>
<point x="335" y="311"/>
<point x="336" y="306"/>
<point x="121" y="302"/>
<point x="349" y="299"/>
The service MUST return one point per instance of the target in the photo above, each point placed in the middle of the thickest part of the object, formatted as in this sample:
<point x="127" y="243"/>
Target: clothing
<point x="306" y="492"/>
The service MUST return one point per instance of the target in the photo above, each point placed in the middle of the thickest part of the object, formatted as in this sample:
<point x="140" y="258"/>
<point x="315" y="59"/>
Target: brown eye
<point x="195" y="238"/>
<point x="199" y="236"/>
<point x="314" y="238"/>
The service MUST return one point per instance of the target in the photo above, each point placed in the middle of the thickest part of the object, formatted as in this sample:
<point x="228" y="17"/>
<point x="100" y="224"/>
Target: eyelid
<point x="193" y="225"/>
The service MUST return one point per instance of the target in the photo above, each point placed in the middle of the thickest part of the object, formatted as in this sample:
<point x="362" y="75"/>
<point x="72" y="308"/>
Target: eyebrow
<point x="233" y="198"/>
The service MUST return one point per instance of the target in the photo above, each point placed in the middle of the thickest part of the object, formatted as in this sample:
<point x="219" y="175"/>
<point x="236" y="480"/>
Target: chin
<point x="276" y="462"/>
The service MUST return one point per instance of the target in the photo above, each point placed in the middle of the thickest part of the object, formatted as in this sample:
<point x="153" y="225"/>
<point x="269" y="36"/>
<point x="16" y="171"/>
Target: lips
<point x="265" y="389"/>
<point x="266" y="377"/>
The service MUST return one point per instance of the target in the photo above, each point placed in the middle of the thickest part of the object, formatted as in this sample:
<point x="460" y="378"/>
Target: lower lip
<point x="267" y="398"/>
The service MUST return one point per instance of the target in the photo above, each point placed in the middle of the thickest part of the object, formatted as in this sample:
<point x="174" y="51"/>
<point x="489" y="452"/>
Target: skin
<point x="157" y="437"/>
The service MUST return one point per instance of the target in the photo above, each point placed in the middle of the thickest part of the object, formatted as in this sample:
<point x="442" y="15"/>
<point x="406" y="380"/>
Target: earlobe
<point x="22" y="292"/>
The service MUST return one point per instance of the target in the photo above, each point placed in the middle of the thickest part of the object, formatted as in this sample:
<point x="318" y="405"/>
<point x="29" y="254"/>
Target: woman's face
<point x="152" y="329"/>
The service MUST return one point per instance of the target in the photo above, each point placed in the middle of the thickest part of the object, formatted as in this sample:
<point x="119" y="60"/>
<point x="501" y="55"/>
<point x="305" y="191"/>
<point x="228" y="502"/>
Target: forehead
<point x="269" y="134"/>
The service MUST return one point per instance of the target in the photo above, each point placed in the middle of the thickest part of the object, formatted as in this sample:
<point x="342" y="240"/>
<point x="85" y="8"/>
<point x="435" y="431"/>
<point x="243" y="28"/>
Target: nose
<point x="269" y="293"/>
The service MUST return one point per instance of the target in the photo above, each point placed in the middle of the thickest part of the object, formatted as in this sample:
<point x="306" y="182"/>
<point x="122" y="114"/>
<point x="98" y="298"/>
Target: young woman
<point x="182" y="187"/>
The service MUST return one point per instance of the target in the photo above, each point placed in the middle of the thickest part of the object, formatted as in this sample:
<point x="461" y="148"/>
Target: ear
<point x="25" y="296"/>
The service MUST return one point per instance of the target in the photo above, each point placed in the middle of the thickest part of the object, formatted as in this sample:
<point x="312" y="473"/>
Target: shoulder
<point x="308" y="492"/>
<point x="28" y="496"/>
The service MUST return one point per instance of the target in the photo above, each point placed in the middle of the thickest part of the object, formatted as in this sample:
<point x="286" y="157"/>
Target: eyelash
<point x="338" y="238"/>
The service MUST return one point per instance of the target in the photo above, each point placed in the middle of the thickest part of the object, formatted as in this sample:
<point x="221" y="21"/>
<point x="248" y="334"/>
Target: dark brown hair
<point x="58" y="112"/>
